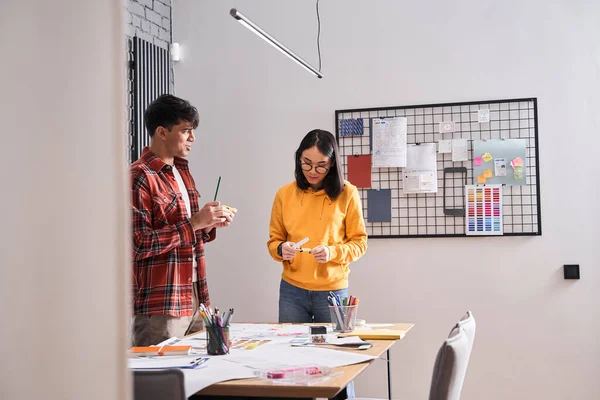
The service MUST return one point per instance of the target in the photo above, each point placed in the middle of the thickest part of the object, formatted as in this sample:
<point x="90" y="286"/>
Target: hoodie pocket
<point x="331" y="272"/>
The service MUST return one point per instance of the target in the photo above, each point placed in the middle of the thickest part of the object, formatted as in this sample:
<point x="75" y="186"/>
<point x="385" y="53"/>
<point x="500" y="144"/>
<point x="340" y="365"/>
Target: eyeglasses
<point x="319" y="168"/>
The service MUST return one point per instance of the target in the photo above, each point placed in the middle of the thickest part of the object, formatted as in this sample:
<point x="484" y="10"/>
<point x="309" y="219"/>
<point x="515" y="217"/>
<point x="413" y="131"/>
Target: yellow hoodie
<point x="337" y="224"/>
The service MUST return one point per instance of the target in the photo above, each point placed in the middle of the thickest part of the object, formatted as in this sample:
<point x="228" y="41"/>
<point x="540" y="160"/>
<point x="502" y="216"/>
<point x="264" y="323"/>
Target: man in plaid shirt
<point x="169" y="227"/>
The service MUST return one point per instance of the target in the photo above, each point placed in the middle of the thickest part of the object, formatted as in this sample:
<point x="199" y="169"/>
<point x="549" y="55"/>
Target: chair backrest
<point x="467" y="322"/>
<point x="452" y="360"/>
<point x="164" y="384"/>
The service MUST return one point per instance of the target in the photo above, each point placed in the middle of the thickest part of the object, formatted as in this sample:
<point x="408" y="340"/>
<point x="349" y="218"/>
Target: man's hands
<point x="212" y="215"/>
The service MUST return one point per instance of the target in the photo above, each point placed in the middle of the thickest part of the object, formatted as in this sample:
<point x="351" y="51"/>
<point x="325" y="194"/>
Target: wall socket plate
<point x="571" y="271"/>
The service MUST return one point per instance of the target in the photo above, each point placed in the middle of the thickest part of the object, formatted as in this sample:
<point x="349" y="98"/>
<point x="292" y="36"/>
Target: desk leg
<point x="389" y="372"/>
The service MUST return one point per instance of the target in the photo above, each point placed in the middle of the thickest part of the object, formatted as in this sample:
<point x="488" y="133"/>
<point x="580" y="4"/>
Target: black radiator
<point x="149" y="76"/>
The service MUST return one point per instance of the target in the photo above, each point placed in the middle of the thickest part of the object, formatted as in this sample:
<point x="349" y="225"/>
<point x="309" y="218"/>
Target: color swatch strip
<point x="484" y="210"/>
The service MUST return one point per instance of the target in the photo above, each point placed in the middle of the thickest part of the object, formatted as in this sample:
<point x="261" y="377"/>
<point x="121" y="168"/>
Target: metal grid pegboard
<point x="422" y="215"/>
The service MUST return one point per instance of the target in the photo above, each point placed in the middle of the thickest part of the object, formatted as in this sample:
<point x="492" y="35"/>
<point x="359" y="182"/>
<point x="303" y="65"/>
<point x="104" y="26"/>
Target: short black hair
<point x="325" y="142"/>
<point x="168" y="111"/>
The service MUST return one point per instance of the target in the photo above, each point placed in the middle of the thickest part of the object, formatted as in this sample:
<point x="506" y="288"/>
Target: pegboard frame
<point x="436" y="199"/>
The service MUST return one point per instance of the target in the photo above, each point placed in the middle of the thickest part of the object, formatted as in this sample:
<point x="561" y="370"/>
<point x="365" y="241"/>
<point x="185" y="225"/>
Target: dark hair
<point x="167" y="111"/>
<point x="325" y="142"/>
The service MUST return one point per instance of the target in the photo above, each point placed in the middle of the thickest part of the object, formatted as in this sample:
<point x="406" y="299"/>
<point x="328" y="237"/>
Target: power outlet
<point x="571" y="271"/>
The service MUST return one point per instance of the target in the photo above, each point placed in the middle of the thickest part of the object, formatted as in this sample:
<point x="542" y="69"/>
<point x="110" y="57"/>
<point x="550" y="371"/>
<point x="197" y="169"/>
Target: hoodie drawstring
<point x="322" y="205"/>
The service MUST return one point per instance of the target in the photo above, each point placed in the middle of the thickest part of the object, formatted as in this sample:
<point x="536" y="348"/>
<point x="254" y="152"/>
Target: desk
<point x="258" y="388"/>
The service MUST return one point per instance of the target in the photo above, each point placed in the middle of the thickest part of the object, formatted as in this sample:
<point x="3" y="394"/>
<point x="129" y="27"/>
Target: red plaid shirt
<point x="164" y="240"/>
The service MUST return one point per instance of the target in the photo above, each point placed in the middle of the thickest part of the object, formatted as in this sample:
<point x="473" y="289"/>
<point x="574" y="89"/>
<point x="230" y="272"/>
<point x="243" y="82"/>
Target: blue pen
<point x="198" y="361"/>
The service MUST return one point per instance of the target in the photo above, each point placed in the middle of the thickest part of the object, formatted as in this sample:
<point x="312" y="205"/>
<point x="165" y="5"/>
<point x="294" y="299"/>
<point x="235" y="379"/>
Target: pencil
<point x="217" y="191"/>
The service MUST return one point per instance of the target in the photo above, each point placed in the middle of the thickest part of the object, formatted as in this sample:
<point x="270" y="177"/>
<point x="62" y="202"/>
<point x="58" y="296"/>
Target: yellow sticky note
<point x="487" y="157"/>
<point x="487" y="173"/>
<point x="481" y="179"/>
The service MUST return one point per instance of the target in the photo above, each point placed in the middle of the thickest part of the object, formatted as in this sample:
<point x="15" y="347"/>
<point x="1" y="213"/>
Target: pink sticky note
<point x="517" y="162"/>
<point x="477" y="161"/>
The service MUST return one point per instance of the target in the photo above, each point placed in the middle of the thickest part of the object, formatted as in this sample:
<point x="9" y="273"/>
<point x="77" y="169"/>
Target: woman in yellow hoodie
<point x="321" y="206"/>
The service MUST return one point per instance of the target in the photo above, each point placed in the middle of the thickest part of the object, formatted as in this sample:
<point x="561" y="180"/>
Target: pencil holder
<point x="343" y="318"/>
<point x="217" y="340"/>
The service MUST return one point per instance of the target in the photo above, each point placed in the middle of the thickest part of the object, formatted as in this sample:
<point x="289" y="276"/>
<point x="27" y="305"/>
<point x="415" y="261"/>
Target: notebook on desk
<point x="376" y="334"/>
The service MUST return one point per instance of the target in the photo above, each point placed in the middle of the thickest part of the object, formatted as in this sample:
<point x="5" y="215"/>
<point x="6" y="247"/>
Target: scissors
<point x="334" y="299"/>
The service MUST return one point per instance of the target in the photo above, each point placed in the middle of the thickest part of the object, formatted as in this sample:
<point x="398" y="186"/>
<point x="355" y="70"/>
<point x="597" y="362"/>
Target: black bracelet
<point x="279" y="253"/>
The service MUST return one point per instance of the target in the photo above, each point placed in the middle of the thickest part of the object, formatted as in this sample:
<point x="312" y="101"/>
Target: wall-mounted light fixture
<point x="242" y="19"/>
<point x="175" y="52"/>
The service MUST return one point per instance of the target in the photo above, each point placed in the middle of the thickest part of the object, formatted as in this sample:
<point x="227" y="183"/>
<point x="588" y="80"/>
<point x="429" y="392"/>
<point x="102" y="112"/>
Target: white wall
<point x="537" y="333"/>
<point x="63" y="253"/>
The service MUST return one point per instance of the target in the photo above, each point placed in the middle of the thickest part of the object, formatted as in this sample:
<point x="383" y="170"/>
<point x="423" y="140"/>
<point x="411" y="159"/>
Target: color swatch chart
<point x="484" y="210"/>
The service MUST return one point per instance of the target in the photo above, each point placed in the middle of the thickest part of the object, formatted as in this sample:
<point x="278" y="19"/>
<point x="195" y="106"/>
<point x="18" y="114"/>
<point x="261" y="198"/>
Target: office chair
<point x="166" y="384"/>
<point x="451" y="363"/>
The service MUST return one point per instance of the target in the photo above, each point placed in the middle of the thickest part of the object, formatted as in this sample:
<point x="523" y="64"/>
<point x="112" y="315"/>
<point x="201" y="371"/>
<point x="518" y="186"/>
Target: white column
<point x="63" y="201"/>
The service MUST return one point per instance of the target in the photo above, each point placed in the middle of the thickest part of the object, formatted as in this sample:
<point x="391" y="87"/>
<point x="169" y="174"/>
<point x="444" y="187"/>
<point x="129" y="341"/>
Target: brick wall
<point x="149" y="20"/>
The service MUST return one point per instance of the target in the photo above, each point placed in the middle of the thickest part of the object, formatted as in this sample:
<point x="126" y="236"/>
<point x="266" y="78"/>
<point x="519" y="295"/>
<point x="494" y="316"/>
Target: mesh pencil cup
<point x="217" y="340"/>
<point x="343" y="318"/>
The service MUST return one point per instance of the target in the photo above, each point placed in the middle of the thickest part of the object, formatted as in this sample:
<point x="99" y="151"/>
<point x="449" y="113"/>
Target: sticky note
<point x="477" y="161"/>
<point x="517" y="162"/>
<point x="487" y="157"/>
<point x="487" y="173"/>
<point x="518" y="172"/>
<point x="480" y="179"/>
<point x="447" y="127"/>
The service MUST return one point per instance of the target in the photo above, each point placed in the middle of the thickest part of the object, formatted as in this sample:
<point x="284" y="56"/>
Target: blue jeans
<point x="306" y="306"/>
<point x="302" y="306"/>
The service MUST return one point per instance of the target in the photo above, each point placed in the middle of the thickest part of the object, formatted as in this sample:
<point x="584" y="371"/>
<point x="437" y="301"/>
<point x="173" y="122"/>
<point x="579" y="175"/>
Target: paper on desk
<point x="161" y="362"/>
<point x="329" y="340"/>
<point x="217" y="370"/>
<point x="369" y="326"/>
<point x="274" y="332"/>
<point x="340" y="341"/>
<point x="283" y="354"/>
<point x="169" y="342"/>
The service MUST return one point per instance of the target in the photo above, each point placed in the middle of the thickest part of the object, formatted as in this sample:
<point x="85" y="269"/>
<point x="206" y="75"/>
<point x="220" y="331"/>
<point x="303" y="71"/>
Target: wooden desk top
<point x="329" y="388"/>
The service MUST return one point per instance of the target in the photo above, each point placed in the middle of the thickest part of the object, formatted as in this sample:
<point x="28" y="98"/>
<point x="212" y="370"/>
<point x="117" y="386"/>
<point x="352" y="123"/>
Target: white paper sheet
<point x="459" y="150"/>
<point x="483" y="115"/>
<point x="217" y="370"/>
<point x="445" y="146"/>
<point x="500" y="166"/>
<point x="344" y="340"/>
<point x="420" y="174"/>
<point x="389" y="142"/>
<point x="161" y="362"/>
<point x="283" y="354"/>
<point x="331" y="340"/>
